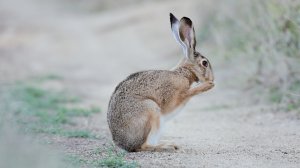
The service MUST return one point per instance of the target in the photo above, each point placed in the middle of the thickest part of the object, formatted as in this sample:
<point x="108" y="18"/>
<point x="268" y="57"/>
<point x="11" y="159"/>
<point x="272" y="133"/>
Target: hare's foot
<point x="168" y="143"/>
<point x="158" y="148"/>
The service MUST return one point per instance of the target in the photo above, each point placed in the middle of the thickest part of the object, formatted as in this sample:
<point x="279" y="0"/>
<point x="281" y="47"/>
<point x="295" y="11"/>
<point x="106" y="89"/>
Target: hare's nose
<point x="209" y="78"/>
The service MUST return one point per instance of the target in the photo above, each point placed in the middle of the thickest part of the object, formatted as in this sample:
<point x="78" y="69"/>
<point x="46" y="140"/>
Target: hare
<point x="141" y="104"/>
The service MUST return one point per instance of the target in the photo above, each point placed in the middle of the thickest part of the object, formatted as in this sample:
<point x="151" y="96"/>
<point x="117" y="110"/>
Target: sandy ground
<point x="94" y="51"/>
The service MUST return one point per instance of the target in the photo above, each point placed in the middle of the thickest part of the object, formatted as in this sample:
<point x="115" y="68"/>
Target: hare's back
<point x="147" y="82"/>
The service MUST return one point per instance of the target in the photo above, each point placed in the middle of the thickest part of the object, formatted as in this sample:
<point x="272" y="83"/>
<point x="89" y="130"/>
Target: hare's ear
<point x="184" y="34"/>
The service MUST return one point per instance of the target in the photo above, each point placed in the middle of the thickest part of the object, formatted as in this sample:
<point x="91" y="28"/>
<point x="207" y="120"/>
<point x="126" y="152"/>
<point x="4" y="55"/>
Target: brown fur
<point x="137" y="101"/>
<point x="140" y="100"/>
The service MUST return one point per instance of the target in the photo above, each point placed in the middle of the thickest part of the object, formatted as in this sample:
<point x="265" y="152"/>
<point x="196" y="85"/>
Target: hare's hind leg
<point x="151" y="143"/>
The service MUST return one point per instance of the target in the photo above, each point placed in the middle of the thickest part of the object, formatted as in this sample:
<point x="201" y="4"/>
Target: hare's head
<point x="184" y="34"/>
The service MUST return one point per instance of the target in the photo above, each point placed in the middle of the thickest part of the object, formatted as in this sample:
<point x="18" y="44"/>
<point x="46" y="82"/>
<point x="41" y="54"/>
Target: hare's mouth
<point x="197" y="80"/>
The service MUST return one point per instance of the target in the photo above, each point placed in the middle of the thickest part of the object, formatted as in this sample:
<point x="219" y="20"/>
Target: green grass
<point x="78" y="134"/>
<point x="109" y="158"/>
<point x="114" y="160"/>
<point x="41" y="110"/>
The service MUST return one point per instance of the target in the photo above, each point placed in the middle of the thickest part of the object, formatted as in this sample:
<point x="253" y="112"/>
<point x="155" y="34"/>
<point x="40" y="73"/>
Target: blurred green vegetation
<point x="41" y="110"/>
<point x="260" y="40"/>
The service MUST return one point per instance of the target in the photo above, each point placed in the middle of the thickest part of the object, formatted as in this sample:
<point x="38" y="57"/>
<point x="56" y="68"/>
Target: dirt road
<point x="94" y="51"/>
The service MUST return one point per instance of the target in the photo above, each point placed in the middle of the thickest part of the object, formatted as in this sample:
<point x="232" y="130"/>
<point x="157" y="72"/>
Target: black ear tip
<point x="172" y="18"/>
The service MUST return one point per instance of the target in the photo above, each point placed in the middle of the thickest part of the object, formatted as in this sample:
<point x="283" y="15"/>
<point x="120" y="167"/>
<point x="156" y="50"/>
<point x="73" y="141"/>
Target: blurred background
<point x="60" y="60"/>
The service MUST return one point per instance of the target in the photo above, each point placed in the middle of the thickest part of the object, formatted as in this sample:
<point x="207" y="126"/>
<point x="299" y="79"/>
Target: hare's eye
<point x="204" y="63"/>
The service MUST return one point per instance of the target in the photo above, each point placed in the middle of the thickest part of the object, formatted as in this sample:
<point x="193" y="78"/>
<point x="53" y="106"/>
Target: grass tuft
<point x="114" y="160"/>
<point x="111" y="159"/>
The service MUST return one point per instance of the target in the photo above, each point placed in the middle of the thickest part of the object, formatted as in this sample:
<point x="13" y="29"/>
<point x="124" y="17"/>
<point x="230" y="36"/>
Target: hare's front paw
<point x="200" y="89"/>
<point x="208" y="85"/>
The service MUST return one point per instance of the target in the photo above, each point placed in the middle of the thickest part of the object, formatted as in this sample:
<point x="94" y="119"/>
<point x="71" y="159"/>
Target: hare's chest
<point x="168" y="116"/>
